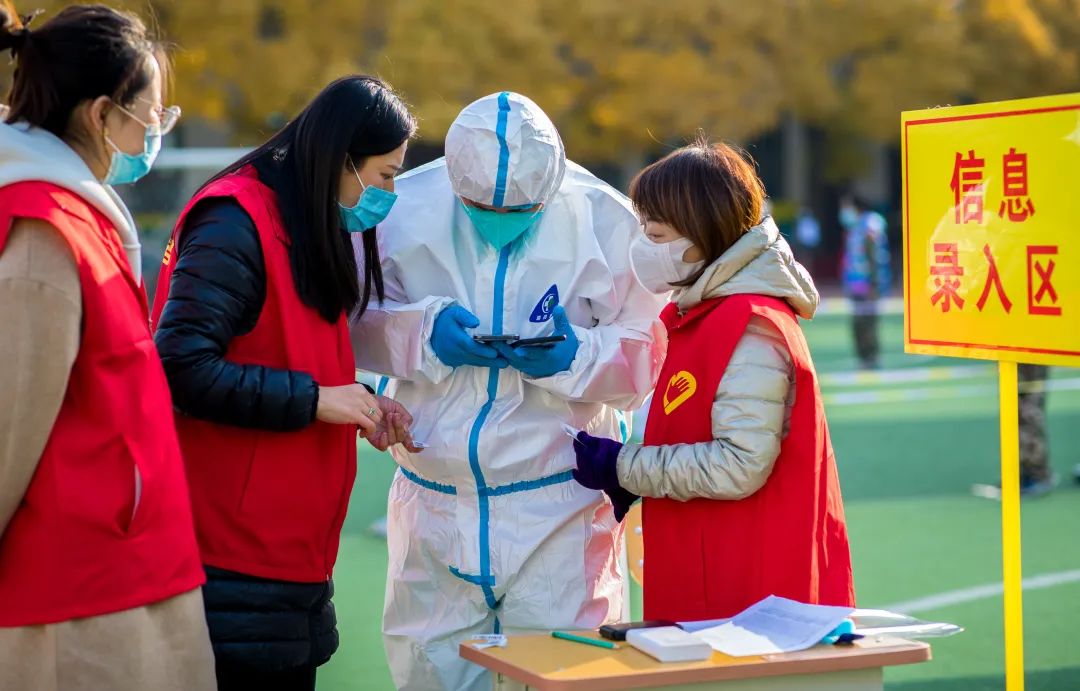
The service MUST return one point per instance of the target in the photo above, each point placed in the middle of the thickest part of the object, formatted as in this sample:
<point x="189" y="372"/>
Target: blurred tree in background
<point x="619" y="77"/>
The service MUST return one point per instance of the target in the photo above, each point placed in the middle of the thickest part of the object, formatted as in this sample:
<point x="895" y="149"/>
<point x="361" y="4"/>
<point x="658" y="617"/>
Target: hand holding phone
<point x="540" y="342"/>
<point x="495" y="338"/>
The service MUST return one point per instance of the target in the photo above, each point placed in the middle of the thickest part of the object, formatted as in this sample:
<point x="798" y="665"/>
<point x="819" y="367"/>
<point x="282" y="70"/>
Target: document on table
<point x="774" y="625"/>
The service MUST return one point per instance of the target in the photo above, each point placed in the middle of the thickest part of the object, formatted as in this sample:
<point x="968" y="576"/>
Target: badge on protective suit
<point x="679" y="389"/>
<point x="543" y="310"/>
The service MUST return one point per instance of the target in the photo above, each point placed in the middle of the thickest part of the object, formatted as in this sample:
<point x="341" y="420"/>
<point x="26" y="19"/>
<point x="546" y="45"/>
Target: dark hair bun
<point x="82" y="53"/>
<point x="13" y="32"/>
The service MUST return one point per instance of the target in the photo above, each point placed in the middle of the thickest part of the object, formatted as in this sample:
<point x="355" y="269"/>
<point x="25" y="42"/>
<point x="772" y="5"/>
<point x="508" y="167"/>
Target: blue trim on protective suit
<point x="504" y="153"/>
<point x="486" y="580"/>
<point x="624" y="429"/>
<point x="500" y="491"/>
<point x="482" y="581"/>
<point x="429" y="484"/>
<point x="526" y="485"/>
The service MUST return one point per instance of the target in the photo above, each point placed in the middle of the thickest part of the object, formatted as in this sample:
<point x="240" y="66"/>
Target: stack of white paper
<point x="669" y="644"/>
<point x="774" y="625"/>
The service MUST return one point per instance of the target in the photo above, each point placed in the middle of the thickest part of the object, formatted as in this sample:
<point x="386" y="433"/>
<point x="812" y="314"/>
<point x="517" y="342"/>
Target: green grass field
<point x="907" y="464"/>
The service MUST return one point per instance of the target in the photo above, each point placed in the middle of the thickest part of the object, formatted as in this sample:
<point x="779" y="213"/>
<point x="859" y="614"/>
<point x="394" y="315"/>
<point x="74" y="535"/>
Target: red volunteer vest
<point x="270" y="504"/>
<point x="84" y="542"/>
<point x="708" y="559"/>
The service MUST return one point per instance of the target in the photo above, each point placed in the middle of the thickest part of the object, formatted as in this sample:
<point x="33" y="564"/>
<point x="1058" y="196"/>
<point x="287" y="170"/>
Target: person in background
<point x="866" y="273"/>
<point x="1037" y="478"/>
<point x="742" y="498"/>
<point x="251" y="316"/>
<point x="99" y="568"/>
<point x="487" y="530"/>
<point x="807" y="238"/>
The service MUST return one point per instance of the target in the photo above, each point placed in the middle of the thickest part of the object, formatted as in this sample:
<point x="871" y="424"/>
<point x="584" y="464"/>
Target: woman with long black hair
<point x="256" y="289"/>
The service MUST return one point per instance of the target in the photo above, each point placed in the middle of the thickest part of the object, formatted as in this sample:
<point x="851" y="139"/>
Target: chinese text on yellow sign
<point x="991" y="242"/>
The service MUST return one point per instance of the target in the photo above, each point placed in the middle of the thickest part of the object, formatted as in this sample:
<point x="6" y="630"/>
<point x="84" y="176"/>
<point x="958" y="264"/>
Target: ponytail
<point x="84" y="52"/>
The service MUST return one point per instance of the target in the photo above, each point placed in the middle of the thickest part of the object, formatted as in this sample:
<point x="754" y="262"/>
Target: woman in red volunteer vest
<point x="99" y="568"/>
<point x="255" y="293"/>
<point x="742" y="499"/>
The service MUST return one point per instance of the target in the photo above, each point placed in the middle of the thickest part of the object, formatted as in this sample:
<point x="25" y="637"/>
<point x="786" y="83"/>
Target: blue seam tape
<point x="489" y="595"/>
<point x="429" y="484"/>
<point x="469" y="578"/>
<point x="486" y="580"/>
<point x="501" y="490"/>
<point x="526" y="485"/>
<point x="504" y="152"/>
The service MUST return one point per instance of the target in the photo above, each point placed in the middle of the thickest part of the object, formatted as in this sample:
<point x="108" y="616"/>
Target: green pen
<point x="582" y="639"/>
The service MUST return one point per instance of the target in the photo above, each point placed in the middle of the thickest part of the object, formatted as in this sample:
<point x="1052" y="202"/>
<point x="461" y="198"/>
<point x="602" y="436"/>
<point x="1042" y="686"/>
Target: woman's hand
<point x="394" y="428"/>
<point x="350" y="404"/>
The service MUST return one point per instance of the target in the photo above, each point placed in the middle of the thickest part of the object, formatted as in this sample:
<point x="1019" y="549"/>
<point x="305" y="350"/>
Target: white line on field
<point x="980" y="592"/>
<point x="905" y="375"/>
<point x="932" y="393"/>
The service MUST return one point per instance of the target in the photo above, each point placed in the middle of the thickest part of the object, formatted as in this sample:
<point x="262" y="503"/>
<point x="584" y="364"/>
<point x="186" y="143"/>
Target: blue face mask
<point x="370" y="209"/>
<point x="500" y="229"/>
<point x="848" y="216"/>
<point x="125" y="168"/>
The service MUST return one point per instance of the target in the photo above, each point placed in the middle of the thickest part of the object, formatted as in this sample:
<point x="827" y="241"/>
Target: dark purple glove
<point x="596" y="460"/>
<point x="621" y="501"/>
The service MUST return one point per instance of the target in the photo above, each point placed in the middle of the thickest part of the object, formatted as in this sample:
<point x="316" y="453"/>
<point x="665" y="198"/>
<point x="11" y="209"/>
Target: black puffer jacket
<point x="216" y="294"/>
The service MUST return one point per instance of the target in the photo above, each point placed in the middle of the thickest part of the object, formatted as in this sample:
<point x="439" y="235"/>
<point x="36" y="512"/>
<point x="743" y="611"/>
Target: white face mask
<point x="659" y="264"/>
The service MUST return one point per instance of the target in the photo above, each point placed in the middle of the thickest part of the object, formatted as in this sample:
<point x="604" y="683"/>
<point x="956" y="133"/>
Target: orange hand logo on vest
<point x="682" y="385"/>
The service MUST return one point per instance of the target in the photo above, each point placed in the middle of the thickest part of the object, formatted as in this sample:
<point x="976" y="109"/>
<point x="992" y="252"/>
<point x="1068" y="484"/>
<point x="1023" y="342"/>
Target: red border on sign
<point x="907" y="238"/>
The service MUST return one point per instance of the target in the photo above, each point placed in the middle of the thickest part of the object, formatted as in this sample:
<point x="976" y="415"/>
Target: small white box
<point x="669" y="644"/>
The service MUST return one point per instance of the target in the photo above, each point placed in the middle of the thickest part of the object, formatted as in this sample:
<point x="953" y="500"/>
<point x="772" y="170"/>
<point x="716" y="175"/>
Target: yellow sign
<point x="681" y="387"/>
<point x="991" y="247"/>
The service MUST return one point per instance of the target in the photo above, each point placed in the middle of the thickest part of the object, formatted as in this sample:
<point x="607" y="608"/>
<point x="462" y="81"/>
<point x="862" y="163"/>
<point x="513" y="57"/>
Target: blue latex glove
<point x="454" y="346"/>
<point x="596" y="461"/>
<point x="545" y="361"/>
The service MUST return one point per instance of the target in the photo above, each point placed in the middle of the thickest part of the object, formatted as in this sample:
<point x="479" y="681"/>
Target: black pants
<point x="1034" y="451"/>
<point x="238" y="678"/>
<point x="864" y="322"/>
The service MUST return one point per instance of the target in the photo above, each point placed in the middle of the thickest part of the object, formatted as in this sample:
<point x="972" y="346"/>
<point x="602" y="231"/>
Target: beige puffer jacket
<point x="752" y="407"/>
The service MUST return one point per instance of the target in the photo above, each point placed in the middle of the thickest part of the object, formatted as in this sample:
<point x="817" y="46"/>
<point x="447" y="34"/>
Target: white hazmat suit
<point x="487" y="531"/>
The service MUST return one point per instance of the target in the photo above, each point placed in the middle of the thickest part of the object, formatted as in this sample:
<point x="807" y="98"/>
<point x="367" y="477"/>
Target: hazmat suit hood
<point x="528" y="170"/>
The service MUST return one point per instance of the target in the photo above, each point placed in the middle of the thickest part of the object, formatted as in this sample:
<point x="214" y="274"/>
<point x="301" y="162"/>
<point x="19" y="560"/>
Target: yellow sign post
<point x="992" y="265"/>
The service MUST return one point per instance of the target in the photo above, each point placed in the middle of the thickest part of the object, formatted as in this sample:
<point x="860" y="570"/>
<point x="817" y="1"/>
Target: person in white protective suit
<point x="487" y="532"/>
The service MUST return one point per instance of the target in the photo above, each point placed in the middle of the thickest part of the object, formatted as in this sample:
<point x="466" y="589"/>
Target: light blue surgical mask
<point x="125" y="168"/>
<point x="848" y="216"/>
<point x="500" y="229"/>
<point x="370" y="209"/>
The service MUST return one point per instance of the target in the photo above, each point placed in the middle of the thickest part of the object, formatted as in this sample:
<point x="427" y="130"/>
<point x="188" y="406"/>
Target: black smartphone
<point x="538" y="342"/>
<point x="495" y="338"/>
<point x="617" y="632"/>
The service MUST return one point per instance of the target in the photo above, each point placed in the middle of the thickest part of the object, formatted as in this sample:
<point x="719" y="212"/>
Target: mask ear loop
<point x="110" y="146"/>
<point x="355" y="172"/>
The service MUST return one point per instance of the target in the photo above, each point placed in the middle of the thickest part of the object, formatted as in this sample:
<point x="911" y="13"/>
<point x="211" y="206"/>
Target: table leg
<point x="505" y="683"/>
